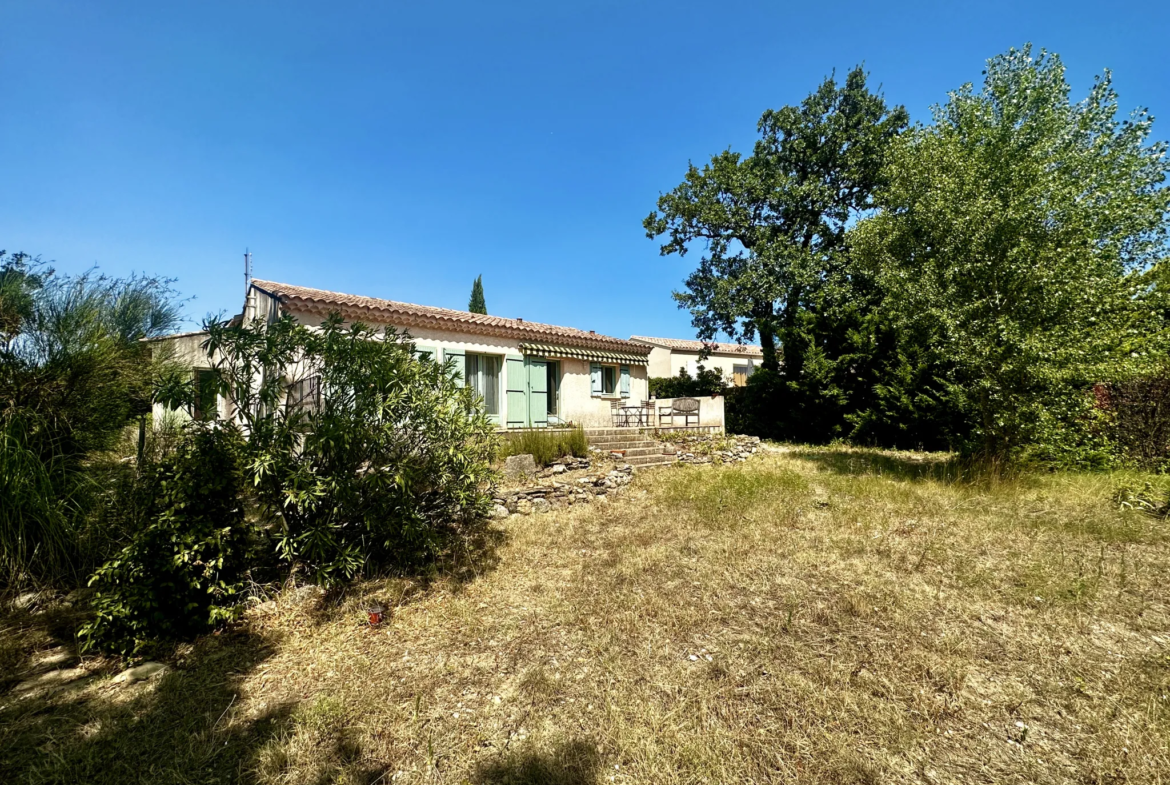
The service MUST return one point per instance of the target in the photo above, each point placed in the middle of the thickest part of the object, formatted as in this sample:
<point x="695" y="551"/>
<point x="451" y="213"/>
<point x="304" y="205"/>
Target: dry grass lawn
<point x="812" y="616"/>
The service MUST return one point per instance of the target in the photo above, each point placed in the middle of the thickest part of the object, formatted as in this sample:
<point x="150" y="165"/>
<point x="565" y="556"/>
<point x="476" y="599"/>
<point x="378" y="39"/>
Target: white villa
<point x="530" y="375"/>
<point x="736" y="362"/>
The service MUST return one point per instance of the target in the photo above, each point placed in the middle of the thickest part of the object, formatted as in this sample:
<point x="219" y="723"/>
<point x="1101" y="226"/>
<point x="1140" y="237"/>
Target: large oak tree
<point x="770" y="224"/>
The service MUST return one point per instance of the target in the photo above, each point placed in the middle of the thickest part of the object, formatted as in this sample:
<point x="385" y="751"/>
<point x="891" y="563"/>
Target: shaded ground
<point x="821" y="615"/>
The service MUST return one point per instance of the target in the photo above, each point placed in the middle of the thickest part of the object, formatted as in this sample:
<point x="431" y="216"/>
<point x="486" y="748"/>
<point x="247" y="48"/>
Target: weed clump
<point x="547" y="446"/>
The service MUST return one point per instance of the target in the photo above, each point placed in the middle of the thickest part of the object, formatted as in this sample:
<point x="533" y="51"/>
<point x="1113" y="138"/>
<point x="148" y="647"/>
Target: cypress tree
<point x="477" y="304"/>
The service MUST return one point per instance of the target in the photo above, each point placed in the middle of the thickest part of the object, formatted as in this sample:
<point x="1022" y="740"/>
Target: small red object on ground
<point x="376" y="612"/>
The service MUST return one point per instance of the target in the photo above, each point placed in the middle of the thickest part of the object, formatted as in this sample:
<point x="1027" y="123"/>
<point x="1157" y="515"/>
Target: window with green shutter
<point x="604" y="379"/>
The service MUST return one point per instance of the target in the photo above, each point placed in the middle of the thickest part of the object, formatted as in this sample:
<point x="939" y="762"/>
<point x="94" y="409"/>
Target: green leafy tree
<point x="772" y="223"/>
<point x="1009" y="234"/>
<point x="365" y="457"/>
<point x="477" y="304"/>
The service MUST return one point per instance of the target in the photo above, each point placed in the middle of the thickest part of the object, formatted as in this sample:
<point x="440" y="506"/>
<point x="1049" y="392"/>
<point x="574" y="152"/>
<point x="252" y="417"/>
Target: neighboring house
<point x="667" y="355"/>
<point x="530" y="375"/>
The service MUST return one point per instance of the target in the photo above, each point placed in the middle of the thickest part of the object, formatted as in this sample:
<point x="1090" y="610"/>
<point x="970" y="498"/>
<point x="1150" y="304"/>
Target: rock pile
<point x="566" y="464"/>
<point x="553" y="494"/>
<point x="717" y="449"/>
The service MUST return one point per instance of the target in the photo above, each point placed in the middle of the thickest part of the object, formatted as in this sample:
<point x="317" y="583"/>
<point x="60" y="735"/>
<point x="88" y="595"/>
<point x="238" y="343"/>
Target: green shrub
<point x="707" y="382"/>
<point x="363" y="457"/>
<point x="181" y="573"/>
<point x="547" y="446"/>
<point x="1140" y="409"/>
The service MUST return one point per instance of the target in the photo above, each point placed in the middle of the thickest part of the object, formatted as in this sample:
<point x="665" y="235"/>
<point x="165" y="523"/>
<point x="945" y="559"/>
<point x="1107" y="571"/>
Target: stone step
<point x="620" y="437"/>
<point x="625" y="444"/>
<point x="596" y="432"/>
<point x="635" y="452"/>
<point x="643" y="450"/>
<point x="646" y="461"/>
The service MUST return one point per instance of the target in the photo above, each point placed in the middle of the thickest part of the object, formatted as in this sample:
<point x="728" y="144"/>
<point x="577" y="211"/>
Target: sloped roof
<point x="172" y="336"/>
<point x="406" y="315"/>
<point x="678" y="344"/>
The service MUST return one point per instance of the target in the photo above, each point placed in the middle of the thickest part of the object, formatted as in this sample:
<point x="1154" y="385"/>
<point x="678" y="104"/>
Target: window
<point x="607" y="380"/>
<point x="305" y="394"/>
<point x="552" y="370"/>
<point x="483" y="376"/>
<point x="206" y="405"/>
<point x="609" y="377"/>
<point x="740" y="374"/>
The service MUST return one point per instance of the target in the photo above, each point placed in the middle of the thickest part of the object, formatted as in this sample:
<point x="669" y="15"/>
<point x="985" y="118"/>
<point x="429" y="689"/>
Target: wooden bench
<point x="680" y="407"/>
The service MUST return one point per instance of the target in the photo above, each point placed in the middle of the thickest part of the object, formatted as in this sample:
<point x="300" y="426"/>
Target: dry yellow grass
<point x="835" y="616"/>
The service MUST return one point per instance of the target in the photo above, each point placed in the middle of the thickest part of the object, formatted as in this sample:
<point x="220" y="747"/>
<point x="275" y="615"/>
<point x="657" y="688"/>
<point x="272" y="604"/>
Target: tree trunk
<point x="768" y="344"/>
<point x="763" y="316"/>
<point x="789" y="336"/>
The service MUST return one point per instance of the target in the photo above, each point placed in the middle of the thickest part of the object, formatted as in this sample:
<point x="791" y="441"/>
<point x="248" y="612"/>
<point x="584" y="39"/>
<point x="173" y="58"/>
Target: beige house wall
<point x="667" y="362"/>
<point x="576" y="403"/>
<point x="660" y="363"/>
<point x="187" y="350"/>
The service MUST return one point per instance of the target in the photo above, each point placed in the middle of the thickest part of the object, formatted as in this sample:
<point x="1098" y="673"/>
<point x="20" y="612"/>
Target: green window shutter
<point x="516" y="385"/>
<point x="425" y="352"/>
<point x="625" y="381"/>
<point x="538" y="393"/>
<point x="459" y="359"/>
<point x="595" y="377"/>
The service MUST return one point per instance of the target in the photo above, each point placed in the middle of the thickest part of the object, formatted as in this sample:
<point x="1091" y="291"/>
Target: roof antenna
<point x="247" y="272"/>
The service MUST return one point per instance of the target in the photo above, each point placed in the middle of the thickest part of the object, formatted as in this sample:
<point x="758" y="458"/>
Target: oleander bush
<point x="363" y="458"/>
<point x="182" y="570"/>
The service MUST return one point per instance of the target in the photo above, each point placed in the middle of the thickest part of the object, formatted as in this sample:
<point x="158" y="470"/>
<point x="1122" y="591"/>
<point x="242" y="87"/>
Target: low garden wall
<point x="711" y="412"/>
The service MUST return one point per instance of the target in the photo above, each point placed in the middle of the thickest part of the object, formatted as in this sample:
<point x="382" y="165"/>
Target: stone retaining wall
<point x="714" y="448"/>
<point x="550" y="494"/>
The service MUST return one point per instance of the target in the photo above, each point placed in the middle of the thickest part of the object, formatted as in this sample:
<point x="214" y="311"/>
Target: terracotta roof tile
<point x="407" y="315"/>
<point x="747" y="350"/>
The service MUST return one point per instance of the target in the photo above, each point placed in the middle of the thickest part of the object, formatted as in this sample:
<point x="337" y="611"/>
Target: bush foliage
<point x="364" y="457"/>
<point x="181" y="572"/>
<point x="1140" y="411"/>
<point x="706" y="382"/>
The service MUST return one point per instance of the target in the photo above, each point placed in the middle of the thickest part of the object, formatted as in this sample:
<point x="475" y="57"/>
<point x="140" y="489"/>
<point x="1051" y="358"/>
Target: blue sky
<point x="400" y="149"/>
